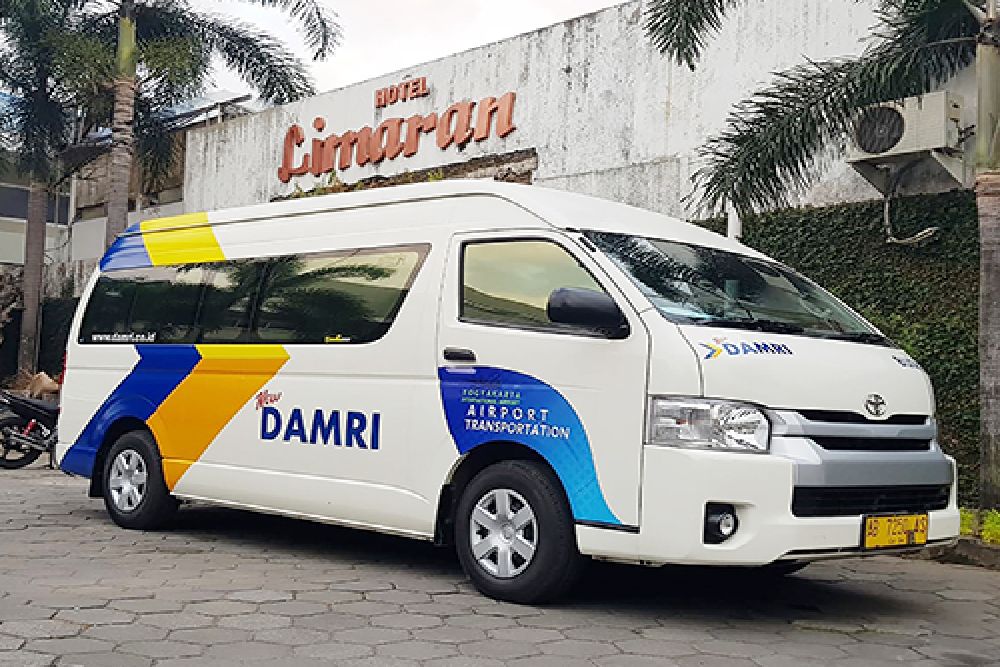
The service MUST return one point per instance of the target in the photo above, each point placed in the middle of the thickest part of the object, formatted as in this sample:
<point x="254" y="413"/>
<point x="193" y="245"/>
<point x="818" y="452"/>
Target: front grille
<point x="845" y="417"/>
<point x="836" y="443"/>
<point x="857" y="500"/>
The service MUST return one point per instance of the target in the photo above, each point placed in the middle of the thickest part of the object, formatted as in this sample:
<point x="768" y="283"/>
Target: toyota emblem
<point x="875" y="405"/>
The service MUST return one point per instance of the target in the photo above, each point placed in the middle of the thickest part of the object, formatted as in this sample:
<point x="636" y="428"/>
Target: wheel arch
<point x="466" y="468"/>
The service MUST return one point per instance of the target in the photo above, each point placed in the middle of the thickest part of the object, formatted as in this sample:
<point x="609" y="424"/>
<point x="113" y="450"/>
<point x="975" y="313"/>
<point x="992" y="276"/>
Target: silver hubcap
<point x="128" y="480"/>
<point x="503" y="533"/>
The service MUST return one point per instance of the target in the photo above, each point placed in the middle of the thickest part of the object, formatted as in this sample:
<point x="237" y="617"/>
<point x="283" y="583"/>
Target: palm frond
<point x="37" y="123"/>
<point x="173" y="69"/>
<point x="157" y="147"/>
<point x="42" y="127"/>
<point x="82" y="63"/>
<point x="260" y="60"/>
<point x="680" y="28"/>
<point x="772" y="147"/>
<point x="318" y="24"/>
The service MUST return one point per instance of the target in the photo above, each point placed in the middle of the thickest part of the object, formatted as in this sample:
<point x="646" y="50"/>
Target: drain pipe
<point x="734" y="226"/>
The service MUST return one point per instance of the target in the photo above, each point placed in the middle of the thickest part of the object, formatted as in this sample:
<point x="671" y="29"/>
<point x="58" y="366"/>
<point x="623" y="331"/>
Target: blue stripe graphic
<point x="484" y="404"/>
<point x="127" y="252"/>
<point x="159" y="370"/>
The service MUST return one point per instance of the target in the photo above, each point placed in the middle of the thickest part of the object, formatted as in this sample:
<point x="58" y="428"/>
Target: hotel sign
<point x="408" y="90"/>
<point x="459" y="124"/>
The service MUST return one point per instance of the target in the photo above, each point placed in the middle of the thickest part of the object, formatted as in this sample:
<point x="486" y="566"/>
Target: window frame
<point x="422" y="249"/>
<point x="556" y="329"/>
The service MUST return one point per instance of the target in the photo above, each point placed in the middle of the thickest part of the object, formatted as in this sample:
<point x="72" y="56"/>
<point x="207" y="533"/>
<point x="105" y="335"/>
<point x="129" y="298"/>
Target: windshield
<point x="692" y="284"/>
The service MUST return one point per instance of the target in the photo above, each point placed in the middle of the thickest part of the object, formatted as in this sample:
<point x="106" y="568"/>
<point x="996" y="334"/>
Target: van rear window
<point x="343" y="297"/>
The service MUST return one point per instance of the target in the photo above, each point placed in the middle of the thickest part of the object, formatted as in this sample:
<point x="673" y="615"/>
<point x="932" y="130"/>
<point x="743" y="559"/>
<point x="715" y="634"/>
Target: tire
<point x="135" y="494"/>
<point x="505" y="568"/>
<point x="14" y="458"/>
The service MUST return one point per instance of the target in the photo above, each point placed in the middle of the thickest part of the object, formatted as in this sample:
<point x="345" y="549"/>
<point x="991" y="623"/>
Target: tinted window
<point x="343" y="297"/>
<point x="166" y="304"/>
<point x="154" y="305"/>
<point x="109" y="307"/>
<point x="693" y="284"/>
<point x="231" y="295"/>
<point x="336" y="298"/>
<point x="510" y="282"/>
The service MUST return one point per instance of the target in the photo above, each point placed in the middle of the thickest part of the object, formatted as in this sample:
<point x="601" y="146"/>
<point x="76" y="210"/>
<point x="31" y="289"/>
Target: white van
<point x="532" y="375"/>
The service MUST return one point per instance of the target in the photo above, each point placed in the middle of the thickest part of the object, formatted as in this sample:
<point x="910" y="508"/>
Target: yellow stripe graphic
<point x="193" y="242"/>
<point x="220" y="385"/>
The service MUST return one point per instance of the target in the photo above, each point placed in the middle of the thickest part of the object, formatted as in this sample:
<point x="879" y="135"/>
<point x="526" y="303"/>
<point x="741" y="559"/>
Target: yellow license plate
<point x="898" y="530"/>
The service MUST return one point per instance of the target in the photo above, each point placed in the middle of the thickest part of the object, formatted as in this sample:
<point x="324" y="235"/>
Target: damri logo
<point x="719" y="348"/>
<point x="322" y="427"/>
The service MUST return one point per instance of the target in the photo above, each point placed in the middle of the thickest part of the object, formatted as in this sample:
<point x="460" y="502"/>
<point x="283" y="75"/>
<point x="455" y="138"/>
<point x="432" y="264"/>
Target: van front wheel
<point x="514" y="533"/>
<point x="135" y="494"/>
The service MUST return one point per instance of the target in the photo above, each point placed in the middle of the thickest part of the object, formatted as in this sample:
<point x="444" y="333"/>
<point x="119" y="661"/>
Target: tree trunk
<point x="988" y="201"/>
<point x="34" y="260"/>
<point x="122" y="135"/>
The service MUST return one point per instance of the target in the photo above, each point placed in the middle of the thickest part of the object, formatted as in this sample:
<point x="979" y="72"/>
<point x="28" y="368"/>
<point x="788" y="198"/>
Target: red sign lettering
<point x="407" y="90"/>
<point x="396" y="136"/>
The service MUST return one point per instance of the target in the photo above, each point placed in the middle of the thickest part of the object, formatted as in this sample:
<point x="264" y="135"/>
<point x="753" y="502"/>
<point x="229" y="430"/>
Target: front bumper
<point x="678" y="483"/>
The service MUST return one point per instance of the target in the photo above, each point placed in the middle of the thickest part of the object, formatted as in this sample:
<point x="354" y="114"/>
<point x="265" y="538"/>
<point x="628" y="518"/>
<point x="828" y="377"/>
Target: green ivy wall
<point x="924" y="298"/>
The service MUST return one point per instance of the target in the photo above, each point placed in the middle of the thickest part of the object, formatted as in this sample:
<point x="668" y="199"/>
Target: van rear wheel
<point x="135" y="494"/>
<point x="515" y="535"/>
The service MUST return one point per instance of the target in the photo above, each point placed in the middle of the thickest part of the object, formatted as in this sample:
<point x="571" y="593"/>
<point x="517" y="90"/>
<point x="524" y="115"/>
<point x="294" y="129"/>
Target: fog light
<point x="721" y="522"/>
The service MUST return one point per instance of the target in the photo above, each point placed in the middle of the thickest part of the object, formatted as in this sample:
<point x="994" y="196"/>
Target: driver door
<point x="508" y="373"/>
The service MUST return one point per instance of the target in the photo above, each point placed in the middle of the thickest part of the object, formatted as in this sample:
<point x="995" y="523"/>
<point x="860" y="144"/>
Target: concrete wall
<point x="12" y="240"/>
<point x="607" y="114"/>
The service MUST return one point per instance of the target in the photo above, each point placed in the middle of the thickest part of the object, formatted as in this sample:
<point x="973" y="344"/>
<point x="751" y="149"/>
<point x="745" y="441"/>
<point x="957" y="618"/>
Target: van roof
<point x="558" y="208"/>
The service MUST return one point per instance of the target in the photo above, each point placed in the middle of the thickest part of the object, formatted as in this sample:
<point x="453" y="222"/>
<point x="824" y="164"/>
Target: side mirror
<point x="588" y="309"/>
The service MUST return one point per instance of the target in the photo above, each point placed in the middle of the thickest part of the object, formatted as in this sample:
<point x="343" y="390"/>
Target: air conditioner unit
<point x="892" y="134"/>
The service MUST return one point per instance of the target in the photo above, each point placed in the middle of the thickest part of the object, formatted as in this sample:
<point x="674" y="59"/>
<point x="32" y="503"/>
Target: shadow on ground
<point x="820" y="591"/>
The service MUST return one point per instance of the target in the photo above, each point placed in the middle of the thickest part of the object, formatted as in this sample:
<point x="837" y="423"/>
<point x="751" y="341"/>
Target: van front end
<point x="815" y="493"/>
<point x="804" y="433"/>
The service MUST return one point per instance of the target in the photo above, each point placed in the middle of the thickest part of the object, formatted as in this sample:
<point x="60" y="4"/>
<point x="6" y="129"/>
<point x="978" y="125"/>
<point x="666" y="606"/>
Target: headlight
<point x="697" y="423"/>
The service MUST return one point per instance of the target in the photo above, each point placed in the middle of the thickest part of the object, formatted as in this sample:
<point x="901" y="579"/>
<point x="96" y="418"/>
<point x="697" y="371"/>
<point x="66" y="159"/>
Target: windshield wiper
<point x="772" y="326"/>
<point x="858" y="337"/>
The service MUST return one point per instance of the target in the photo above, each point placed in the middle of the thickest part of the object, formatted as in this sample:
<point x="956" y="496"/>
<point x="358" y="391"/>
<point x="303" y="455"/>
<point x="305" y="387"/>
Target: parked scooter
<point x="27" y="430"/>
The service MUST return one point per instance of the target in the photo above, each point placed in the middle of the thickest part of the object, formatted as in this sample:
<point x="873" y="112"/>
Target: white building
<point x="602" y="110"/>
<point x="592" y="106"/>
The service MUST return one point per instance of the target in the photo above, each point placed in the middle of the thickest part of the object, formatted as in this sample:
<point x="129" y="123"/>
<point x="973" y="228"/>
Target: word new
<point x="356" y="429"/>
<point x="408" y="90"/>
<point x="460" y="123"/>
<point x="266" y="398"/>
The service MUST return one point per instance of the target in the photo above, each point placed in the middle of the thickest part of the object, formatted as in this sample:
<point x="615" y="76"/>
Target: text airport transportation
<point x="532" y="375"/>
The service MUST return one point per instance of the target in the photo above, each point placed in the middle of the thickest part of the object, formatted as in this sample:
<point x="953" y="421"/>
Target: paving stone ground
<point x="224" y="587"/>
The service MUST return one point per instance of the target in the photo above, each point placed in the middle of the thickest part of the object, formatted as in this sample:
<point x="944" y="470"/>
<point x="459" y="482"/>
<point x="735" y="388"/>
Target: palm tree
<point x="57" y="64"/>
<point x="768" y="151"/>
<point x="37" y="129"/>
<point x="263" y="63"/>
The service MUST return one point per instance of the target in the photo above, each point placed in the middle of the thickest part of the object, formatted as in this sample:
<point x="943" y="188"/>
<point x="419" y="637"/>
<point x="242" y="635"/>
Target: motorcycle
<point x="27" y="430"/>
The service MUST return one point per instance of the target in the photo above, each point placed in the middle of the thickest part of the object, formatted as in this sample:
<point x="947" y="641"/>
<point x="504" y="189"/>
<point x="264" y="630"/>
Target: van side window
<point x="109" y="307"/>
<point x="339" y="297"/>
<point x="166" y="304"/>
<point x="509" y="282"/>
<point x="231" y="293"/>
<point x="154" y="305"/>
<point x="349" y="297"/>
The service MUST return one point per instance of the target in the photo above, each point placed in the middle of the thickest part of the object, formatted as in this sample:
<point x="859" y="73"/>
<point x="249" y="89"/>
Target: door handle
<point x="458" y="354"/>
